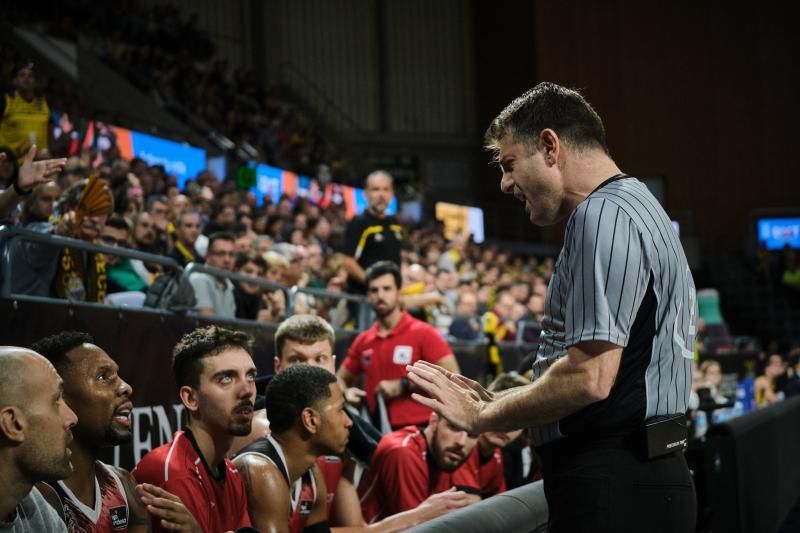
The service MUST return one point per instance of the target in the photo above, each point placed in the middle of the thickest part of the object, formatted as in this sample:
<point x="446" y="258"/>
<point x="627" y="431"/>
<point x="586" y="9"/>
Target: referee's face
<point x="533" y="178"/>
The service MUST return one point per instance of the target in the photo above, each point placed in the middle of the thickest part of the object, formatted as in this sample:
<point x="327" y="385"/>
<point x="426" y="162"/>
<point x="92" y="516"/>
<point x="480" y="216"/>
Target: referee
<point x="614" y="360"/>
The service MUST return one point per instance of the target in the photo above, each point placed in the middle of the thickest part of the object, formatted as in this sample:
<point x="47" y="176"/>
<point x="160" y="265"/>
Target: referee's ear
<point x="550" y="145"/>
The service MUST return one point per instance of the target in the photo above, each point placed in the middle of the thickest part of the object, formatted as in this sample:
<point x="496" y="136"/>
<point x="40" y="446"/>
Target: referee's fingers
<point x="428" y="402"/>
<point x="427" y="373"/>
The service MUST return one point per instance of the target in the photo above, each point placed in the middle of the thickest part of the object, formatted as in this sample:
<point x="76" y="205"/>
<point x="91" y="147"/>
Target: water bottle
<point x="700" y="424"/>
<point x="748" y="393"/>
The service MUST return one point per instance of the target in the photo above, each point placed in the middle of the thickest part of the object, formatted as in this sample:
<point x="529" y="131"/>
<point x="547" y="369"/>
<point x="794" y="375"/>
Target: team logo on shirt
<point x="366" y="357"/>
<point x="305" y="507"/>
<point x="119" y="517"/>
<point x="402" y="355"/>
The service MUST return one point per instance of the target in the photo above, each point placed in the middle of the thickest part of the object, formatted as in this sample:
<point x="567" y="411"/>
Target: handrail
<point x="218" y="272"/>
<point x="364" y="312"/>
<point x="363" y="320"/>
<point x="17" y="232"/>
<point x="68" y="242"/>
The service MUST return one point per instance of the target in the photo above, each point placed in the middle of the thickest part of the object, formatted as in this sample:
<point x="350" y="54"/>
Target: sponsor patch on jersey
<point x="402" y="355"/>
<point x="366" y="357"/>
<point x="119" y="517"/>
<point x="305" y="507"/>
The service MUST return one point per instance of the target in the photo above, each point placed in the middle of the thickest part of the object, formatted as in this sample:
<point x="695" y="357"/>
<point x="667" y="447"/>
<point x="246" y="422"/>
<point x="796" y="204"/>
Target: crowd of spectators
<point x="166" y="55"/>
<point x="455" y="284"/>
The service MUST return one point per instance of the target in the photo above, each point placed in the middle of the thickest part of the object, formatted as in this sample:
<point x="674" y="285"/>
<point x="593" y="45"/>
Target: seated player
<point x="215" y="373"/>
<point x="96" y="496"/>
<point x="412" y="464"/>
<point x="285" y="489"/>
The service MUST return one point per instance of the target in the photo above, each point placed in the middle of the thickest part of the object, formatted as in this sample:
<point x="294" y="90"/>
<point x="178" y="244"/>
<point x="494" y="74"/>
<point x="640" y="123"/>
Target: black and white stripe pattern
<point x="620" y="244"/>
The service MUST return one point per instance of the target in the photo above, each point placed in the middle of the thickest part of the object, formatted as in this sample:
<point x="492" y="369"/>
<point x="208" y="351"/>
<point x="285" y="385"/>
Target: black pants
<point x="615" y="489"/>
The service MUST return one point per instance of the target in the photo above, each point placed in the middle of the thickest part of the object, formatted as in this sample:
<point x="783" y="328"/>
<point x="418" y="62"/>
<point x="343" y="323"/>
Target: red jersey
<point x="403" y="475"/>
<point x="110" y="512"/>
<point x="331" y="468"/>
<point x="386" y="357"/>
<point x="218" y="504"/>
<point x="491" y="473"/>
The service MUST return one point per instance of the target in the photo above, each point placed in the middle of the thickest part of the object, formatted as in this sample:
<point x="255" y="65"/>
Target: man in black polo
<point x="372" y="236"/>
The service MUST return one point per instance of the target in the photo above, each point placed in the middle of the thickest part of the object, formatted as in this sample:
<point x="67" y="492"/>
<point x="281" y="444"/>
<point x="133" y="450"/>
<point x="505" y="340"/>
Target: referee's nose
<point x="506" y="183"/>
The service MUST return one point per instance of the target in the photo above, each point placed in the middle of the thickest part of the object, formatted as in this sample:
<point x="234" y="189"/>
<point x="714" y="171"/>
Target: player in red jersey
<point x="383" y="351"/>
<point x="411" y="464"/>
<point x="215" y="374"/>
<point x="97" y="497"/>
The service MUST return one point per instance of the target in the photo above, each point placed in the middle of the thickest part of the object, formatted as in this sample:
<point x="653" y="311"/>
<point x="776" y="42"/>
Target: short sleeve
<point x="434" y="347"/>
<point x="491" y="475"/>
<point x="608" y="273"/>
<point x="352" y="233"/>
<point x="403" y="474"/>
<point x="353" y="360"/>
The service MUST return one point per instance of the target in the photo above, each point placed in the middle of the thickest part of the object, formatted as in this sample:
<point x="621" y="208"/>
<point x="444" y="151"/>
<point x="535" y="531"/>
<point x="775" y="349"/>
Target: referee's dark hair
<point x="381" y="268"/>
<point x="294" y="389"/>
<point x="548" y="105"/>
<point x="187" y="358"/>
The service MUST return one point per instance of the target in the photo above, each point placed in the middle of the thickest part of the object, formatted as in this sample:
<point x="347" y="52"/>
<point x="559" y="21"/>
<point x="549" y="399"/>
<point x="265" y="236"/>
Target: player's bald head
<point x="15" y="366"/>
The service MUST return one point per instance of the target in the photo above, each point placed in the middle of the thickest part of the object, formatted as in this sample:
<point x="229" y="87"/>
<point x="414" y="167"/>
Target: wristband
<point x="19" y="191"/>
<point x="406" y="384"/>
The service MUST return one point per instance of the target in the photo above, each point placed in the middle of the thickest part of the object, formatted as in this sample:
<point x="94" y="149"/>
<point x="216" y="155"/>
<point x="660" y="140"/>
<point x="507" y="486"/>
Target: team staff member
<point x="98" y="497"/>
<point x="372" y="236"/>
<point x="617" y="338"/>
<point x="395" y="340"/>
<point x="215" y="373"/>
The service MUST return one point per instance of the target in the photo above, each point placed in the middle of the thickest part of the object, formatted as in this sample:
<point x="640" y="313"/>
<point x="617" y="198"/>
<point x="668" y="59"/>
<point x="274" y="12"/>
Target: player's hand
<point x="445" y="502"/>
<point x="390" y="388"/>
<point x="173" y="515"/>
<point x="33" y="173"/>
<point x="451" y="397"/>
<point x="354" y="395"/>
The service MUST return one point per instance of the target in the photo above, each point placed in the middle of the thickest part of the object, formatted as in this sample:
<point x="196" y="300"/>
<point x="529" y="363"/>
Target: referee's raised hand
<point x="449" y="396"/>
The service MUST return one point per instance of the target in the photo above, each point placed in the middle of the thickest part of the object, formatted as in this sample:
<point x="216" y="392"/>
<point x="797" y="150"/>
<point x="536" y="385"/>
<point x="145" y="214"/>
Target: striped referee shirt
<point x="621" y="277"/>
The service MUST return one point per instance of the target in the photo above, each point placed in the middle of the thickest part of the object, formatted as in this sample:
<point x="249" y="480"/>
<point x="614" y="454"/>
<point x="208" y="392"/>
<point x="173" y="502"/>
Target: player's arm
<point x="138" y="517"/>
<point x="346" y="379"/>
<point x="582" y="377"/>
<point x="317" y="520"/>
<point x="168" y="509"/>
<point x="268" y="500"/>
<point x="346" y="509"/>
